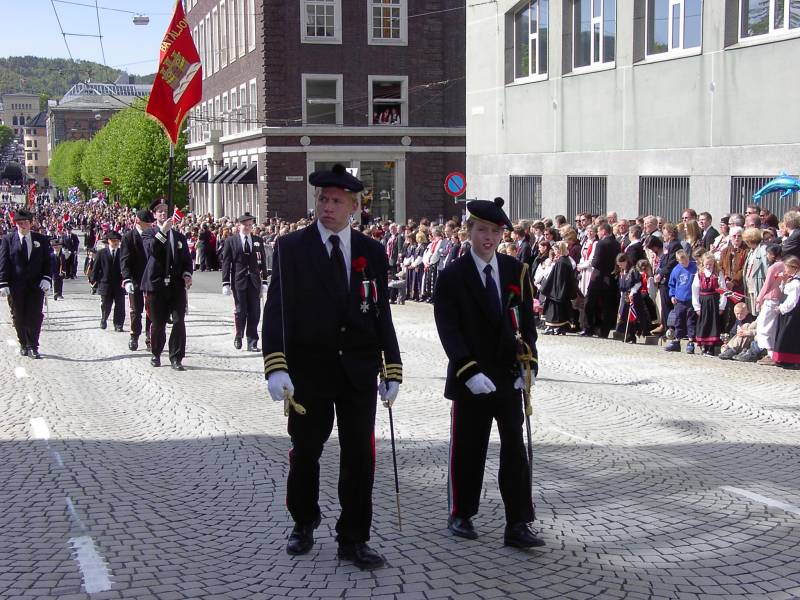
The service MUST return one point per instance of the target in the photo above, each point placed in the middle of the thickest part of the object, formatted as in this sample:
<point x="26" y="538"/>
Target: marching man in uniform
<point x="484" y="314"/>
<point x="132" y="263"/>
<point x="244" y="274"/>
<point x="107" y="276"/>
<point x="25" y="267"/>
<point x="59" y="268"/>
<point x="326" y="330"/>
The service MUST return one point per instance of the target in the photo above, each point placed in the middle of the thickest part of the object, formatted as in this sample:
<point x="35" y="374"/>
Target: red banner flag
<point x="178" y="84"/>
<point x="178" y="216"/>
<point x="32" y="194"/>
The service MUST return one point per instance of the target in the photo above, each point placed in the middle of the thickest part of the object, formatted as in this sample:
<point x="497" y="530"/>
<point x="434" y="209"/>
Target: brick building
<point x="36" y="155"/>
<point x="377" y="85"/>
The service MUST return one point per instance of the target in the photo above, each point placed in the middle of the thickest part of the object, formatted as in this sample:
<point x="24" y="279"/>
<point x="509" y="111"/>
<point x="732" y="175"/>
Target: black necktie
<point x="339" y="269"/>
<point x="491" y="290"/>
<point x="25" y="247"/>
<point x="247" y="245"/>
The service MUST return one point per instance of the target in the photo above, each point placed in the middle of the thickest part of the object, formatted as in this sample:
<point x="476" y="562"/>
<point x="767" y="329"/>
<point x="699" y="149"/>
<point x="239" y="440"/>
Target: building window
<point x="769" y="17"/>
<point x="209" y="46"/>
<point x="594" y="32"/>
<point x="664" y="196"/>
<point x="530" y="39"/>
<point x="743" y="188"/>
<point x="241" y="28"/>
<point x="200" y="36"/>
<point x="322" y="21"/>
<point x="525" y="197"/>
<point x="215" y="40"/>
<point x="252" y="107"/>
<point x="322" y="99"/>
<point x="223" y="34"/>
<point x="586" y="194"/>
<point x="673" y="25"/>
<point x="251" y="25"/>
<point x="388" y="97"/>
<point x="388" y="21"/>
<point x="234" y="6"/>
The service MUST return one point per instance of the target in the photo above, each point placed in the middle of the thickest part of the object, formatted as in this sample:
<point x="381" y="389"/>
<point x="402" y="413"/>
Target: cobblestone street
<point x="656" y="475"/>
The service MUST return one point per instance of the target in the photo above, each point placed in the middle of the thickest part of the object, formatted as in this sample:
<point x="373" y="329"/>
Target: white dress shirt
<point x="246" y="238"/>
<point x="480" y="264"/>
<point x="345" y="236"/>
<point x="28" y="241"/>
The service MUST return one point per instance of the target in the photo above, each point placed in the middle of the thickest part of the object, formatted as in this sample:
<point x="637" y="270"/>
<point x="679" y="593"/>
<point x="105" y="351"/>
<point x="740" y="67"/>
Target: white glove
<point x="264" y="288"/>
<point x="67" y="253"/>
<point x="519" y="383"/>
<point x="129" y="288"/>
<point x="388" y="391"/>
<point x="278" y="384"/>
<point x="4" y="292"/>
<point x="166" y="226"/>
<point x="226" y="290"/>
<point x="44" y="285"/>
<point x="480" y="384"/>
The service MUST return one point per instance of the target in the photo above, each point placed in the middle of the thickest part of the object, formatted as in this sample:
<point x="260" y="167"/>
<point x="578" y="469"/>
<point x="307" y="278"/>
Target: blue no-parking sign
<point x="455" y="184"/>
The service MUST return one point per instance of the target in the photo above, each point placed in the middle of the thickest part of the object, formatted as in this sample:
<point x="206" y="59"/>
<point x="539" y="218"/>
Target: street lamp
<point x="141" y="20"/>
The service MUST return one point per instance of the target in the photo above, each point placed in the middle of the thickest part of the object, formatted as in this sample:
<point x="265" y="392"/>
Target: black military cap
<point x="337" y="177"/>
<point x="725" y="219"/>
<point x="23" y="215"/>
<point x="112" y="235"/>
<point x="489" y="211"/>
<point x="156" y="203"/>
<point x="145" y="216"/>
<point x="55" y="241"/>
<point x="245" y="217"/>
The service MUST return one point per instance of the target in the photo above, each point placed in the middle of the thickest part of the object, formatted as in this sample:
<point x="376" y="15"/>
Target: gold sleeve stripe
<point x="274" y="354"/>
<point x="275" y="362"/>
<point x="465" y="367"/>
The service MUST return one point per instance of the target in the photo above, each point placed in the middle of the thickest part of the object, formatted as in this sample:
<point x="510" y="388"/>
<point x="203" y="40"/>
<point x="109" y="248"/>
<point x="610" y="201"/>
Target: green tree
<point x="43" y="100"/>
<point x="6" y="135"/>
<point x="66" y="163"/>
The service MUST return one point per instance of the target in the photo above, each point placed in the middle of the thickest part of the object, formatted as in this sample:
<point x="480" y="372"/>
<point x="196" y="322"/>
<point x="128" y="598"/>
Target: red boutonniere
<point x="360" y="264"/>
<point x="513" y="290"/>
<point x="513" y="311"/>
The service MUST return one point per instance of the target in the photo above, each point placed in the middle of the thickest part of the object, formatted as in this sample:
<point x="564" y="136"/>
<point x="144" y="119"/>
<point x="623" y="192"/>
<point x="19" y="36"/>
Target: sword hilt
<point x="289" y="403"/>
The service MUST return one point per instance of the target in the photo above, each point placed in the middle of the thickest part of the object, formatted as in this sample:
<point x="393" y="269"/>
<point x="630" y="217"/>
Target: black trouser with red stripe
<point x="471" y="425"/>
<point x="355" y="418"/>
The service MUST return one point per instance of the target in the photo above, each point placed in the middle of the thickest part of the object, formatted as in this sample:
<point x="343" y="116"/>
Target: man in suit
<point x="709" y="233"/>
<point x="166" y="279"/>
<point x="483" y="312"/>
<point x="601" y="295"/>
<point x="635" y="250"/>
<point x="107" y="276"/>
<point x="58" y="269"/>
<point x="25" y="267"/>
<point x="71" y="244"/>
<point x="132" y="263"/>
<point x="244" y="274"/>
<point x="326" y="331"/>
<point x="791" y="243"/>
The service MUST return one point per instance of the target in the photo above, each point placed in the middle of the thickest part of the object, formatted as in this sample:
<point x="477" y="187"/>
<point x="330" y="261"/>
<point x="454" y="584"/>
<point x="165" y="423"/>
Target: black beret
<point x="245" y="217"/>
<point x="157" y="202"/>
<point x="113" y="235"/>
<point x="337" y="177"/>
<point x="23" y="215"/>
<point x="145" y="216"/>
<point x="489" y="211"/>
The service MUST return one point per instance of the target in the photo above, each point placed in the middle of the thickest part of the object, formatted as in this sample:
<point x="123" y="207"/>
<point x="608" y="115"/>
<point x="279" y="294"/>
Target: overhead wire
<point x="100" y="33"/>
<point x="64" y="35"/>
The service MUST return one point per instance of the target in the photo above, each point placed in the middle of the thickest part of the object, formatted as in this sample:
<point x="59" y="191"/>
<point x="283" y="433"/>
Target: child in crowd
<point x="630" y="285"/>
<point x="741" y="334"/>
<point x="400" y="283"/>
<point x="768" y="298"/>
<point x="680" y="294"/>
<point x="787" y="342"/>
<point x="708" y="304"/>
<point x="648" y="291"/>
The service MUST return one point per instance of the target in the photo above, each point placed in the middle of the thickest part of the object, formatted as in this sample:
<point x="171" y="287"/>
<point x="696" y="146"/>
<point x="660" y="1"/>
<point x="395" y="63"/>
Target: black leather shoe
<point x="103" y="324"/>
<point x="301" y="540"/>
<point x="462" y="528"/>
<point x="34" y="353"/>
<point x="133" y="344"/>
<point x="118" y="328"/>
<point x="237" y="343"/>
<point x="147" y="343"/>
<point x="520" y="536"/>
<point x="253" y="347"/>
<point x="586" y="333"/>
<point x="362" y="556"/>
<point x="177" y="366"/>
<point x="23" y="351"/>
<point x="155" y="361"/>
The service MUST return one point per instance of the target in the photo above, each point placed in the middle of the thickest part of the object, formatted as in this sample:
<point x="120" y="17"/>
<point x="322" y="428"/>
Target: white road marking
<point x="58" y="459"/>
<point x="772" y="503"/>
<point x="39" y="429"/>
<point x="575" y="437"/>
<point x="73" y="512"/>
<point x="20" y="372"/>
<point x="93" y="567"/>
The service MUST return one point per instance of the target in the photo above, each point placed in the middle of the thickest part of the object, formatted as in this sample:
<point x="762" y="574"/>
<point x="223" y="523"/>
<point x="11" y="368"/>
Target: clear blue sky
<point x="32" y="29"/>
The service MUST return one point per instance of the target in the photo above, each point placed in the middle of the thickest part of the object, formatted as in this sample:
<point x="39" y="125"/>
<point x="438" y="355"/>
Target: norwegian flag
<point x="632" y="316"/>
<point x="178" y="216"/>
<point x="735" y="296"/>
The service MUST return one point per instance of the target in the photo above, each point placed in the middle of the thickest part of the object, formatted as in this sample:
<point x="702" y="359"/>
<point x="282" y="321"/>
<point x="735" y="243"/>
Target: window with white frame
<point x="215" y="40"/>
<point x="594" y="32"/>
<point x="674" y="26"/>
<point x="223" y="34"/>
<point x="200" y="36"/>
<point x="530" y="39"/>
<point x="322" y="99"/>
<point x="321" y="21"/>
<point x="218" y="113"/>
<point x="233" y="7"/>
<point x="388" y="21"/>
<point x="241" y="27"/>
<point x="243" y="126"/>
<point x="225" y="114"/>
<point x="253" y="105"/>
<point x="768" y="17"/>
<point x="209" y="49"/>
<point x="388" y="97"/>
<point x="251" y="25"/>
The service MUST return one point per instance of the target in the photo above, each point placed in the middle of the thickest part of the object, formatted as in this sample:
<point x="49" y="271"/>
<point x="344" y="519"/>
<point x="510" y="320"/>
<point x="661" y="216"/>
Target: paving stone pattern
<point x="179" y="478"/>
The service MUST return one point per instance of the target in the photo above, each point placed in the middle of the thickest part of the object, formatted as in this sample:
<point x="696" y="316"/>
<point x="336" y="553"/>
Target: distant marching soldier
<point x="244" y="274"/>
<point x="326" y="329"/>
<point x="59" y="268"/>
<point x="483" y="311"/>
<point x="107" y="276"/>
<point x="167" y="278"/>
<point x="132" y="263"/>
<point x="25" y="268"/>
<point x="71" y="244"/>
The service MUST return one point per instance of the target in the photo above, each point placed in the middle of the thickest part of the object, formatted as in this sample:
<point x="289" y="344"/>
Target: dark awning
<point x="201" y="177"/>
<point x="248" y="174"/>
<point x="232" y="174"/>
<point x="223" y="172"/>
<point x="187" y="176"/>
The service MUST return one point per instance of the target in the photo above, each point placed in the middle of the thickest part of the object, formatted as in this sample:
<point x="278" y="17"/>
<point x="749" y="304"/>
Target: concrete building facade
<point x="18" y="110"/>
<point x="375" y="85"/>
<point x="637" y="106"/>
<point x="36" y="155"/>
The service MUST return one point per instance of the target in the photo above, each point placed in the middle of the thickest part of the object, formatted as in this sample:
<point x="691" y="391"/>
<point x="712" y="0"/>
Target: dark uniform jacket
<point x="106" y="274"/>
<point x="19" y="272"/>
<point x="133" y="259"/>
<point x="605" y="257"/>
<point x="58" y="264"/>
<point x="323" y="338"/>
<point x="474" y="339"/>
<point x="241" y="270"/>
<point x="709" y="236"/>
<point x="791" y="244"/>
<point x="635" y="252"/>
<point x="158" y="253"/>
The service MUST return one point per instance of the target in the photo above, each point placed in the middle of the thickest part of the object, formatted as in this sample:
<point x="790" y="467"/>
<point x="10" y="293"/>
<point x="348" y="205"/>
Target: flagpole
<point x="171" y="171"/>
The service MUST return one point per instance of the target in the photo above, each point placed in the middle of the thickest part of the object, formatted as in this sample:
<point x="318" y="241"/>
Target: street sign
<point x="106" y="181"/>
<point x="455" y="184"/>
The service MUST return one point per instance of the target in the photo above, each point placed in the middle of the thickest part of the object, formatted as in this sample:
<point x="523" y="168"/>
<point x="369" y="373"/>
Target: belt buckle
<point x="166" y="280"/>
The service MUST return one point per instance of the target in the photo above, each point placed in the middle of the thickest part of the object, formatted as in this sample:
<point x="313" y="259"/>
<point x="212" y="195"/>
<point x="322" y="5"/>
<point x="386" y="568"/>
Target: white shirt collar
<point x="344" y="236"/>
<point x="481" y="264"/>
